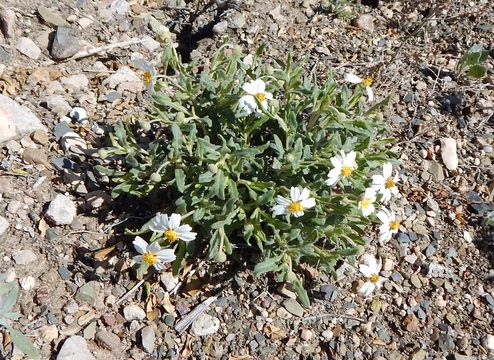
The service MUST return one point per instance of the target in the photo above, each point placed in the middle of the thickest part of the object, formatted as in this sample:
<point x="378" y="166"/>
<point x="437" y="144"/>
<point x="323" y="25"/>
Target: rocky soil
<point x="66" y="76"/>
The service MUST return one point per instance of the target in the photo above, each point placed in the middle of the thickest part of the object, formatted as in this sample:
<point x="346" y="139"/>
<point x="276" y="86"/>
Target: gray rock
<point x="24" y="257"/>
<point x="220" y="27"/>
<point x="148" y="337"/>
<point x="150" y="44"/>
<point x="73" y="142"/>
<point x="7" y="22"/>
<point x="108" y="340"/>
<point x="75" y="348"/>
<point x="88" y="292"/>
<point x="61" y="210"/>
<point x="90" y="331"/>
<point x="61" y="129"/>
<point x="133" y="312"/>
<point x="4" y="225"/>
<point x="205" y="325"/>
<point x="58" y="105"/>
<point x="64" y="45"/>
<point x="120" y="7"/>
<point x="124" y="79"/>
<point x="293" y="307"/>
<point x="27" y="47"/>
<point x="75" y="82"/>
<point x="51" y="17"/>
<point x="16" y="120"/>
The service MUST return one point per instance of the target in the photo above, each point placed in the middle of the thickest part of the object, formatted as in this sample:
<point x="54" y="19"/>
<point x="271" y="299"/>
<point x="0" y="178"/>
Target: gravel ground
<point x="61" y="233"/>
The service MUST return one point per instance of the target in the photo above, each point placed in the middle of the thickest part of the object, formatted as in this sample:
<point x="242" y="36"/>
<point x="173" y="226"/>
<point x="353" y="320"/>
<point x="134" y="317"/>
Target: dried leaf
<point x="42" y="227"/>
<point x="167" y="304"/>
<point x="274" y="332"/>
<point x="103" y="253"/>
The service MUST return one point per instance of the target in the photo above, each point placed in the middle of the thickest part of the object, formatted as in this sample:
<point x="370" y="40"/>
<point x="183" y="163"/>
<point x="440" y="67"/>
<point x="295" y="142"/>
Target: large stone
<point x="27" y="47"/>
<point x="51" y="17"/>
<point x="133" y="312"/>
<point x="16" y="121"/>
<point x="88" y="292"/>
<point x="148" y="337"/>
<point x="64" y="44"/>
<point x="61" y="210"/>
<point x="4" y="225"/>
<point x="75" y="348"/>
<point x="7" y="22"/>
<point x="205" y="325"/>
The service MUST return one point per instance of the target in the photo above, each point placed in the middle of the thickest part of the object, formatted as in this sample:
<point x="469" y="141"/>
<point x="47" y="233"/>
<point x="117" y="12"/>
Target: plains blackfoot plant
<point x="251" y="155"/>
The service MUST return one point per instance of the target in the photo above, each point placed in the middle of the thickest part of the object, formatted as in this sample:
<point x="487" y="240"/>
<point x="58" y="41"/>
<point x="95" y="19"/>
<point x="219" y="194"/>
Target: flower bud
<point x="213" y="168"/>
<point x="237" y="50"/>
<point x="179" y="117"/>
<point x="155" y="177"/>
<point x="145" y="125"/>
<point x="290" y="158"/>
<point x="220" y="256"/>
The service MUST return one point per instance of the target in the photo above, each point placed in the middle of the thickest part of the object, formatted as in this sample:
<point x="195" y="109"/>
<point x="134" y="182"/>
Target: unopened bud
<point x="155" y="177"/>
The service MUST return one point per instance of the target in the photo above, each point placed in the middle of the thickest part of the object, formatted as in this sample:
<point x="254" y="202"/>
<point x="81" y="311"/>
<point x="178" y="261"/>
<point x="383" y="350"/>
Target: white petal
<point x="337" y="162"/>
<point x="295" y="194"/>
<point x="250" y="88"/>
<point x="384" y="237"/>
<point x="350" y="159"/>
<point x="282" y="201"/>
<point x="141" y="64"/>
<point x="366" y="289"/>
<point x="386" y="196"/>
<point x="182" y="229"/>
<point x="140" y="245"/>
<point x="366" y="270"/>
<point x="372" y="263"/>
<point x="354" y="79"/>
<point x="379" y="266"/>
<point x="247" y="104"/>
<point x="159" y="266"/>
<point x="370" y="93"/>
<point x="333" y="176"/>
<point x="138" y="259"/>
<point x="383" y="215"/>
<point x="308" y="203"/>
<point x="304" y="195"/>
<point x="174" y="221"/>
<point x="166" y="255"/>
<point x="378" y="181"/>
<point x="268" y="95"/>
<point x="159" y="223"/>
<point x="387" y="170"/>
<point x="259" y="85"/>
<point x="298" y="213"/>
<point x="279" y="210"/>
<point x="380" y="282"/>
<point x="154" y="247"/>
<point x="188" y="236"/>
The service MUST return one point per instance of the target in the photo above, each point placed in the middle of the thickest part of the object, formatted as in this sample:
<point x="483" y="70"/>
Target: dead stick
<point x="99" y="49"/>
<point x="183" y="324"/>
<point x="131" y="291"/>
<point x="328" y="316"/>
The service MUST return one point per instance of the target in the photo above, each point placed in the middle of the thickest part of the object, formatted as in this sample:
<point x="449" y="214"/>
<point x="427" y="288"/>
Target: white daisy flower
<point x="366" y="203"/>
<point x="366" y="82"/>
<point x="371" y="272"/>
<point x="149" y="75"/>
<point x="256" y="89"/>
<point x="300" y="201"/>
<point x="385" y="184"/>
<point x="343" y="164"/>
<point x="389" y="225"/>
<point x="152" y="254"/>
<point x="171" y="228"/>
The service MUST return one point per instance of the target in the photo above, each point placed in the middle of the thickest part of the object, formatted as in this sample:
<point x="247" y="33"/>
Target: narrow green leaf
<point x="270" y="264"/>
<point x="477" y="71"/>
<point x="23" y="344"/>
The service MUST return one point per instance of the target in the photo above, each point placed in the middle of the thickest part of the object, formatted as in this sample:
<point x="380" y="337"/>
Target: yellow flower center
<point x="365" y="203"/>
<point x="394" y="225"/>
<point x="346" y="170"/>
<point x="147" y="77"/>
<point x="374" y="278"/>
<point x="149" y="258"/>
<point x="389" y="183"/>
<point x="261" y="96"/>
<point x="295" y="207"/>
<point x="171" y="235"/>
<point x="367" y="81"/>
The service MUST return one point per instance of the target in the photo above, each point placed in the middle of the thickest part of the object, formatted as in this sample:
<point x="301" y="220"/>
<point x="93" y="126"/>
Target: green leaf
<point x="301" y="292"/>
<point x="10" y="298"/>
<point x="23" y="344"/>
<point x="269" y="264"/>
<point x="180" y="254"/>
<point x="180" y="180"/>
<point x="477" y="71"/>
<point x="218" y="188"/>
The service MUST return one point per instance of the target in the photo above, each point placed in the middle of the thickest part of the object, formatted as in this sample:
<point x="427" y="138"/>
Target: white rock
<point x="49" y="333"/>
<point x="58" y="105"/>
<point x="150" y="44"/>
<point x="448" y="153"/>
<point x="124" y="79"/>
<point x="205" y="325"/>
<point x="78" y="114"/>
<point x="133" y="312"/>
<point x="4" y="225"/>
<point x="27" y="283"/>
<point x="119" y="7"/>
<point x="169" y="281"/>
<point x="489" y="342"/>
<point x="16" y="121"/>
<point x="75" y="348"/>
<point x="75" y="82"/>
<point x="467" y="236"/>
<point x="61" y="210"/>
<point x="27" y="47"/>
<point x="72" y="141"/>
<point x="327" y="334"/>
<point x="24" y="257"/>
<point x="10" y="275"/>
